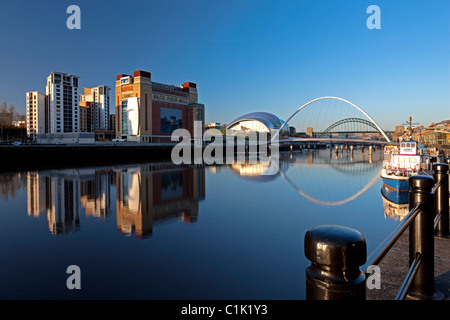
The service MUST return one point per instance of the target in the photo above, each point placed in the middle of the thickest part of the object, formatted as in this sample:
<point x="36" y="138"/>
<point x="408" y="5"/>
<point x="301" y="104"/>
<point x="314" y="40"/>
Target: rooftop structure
<point x="257" y="122"/>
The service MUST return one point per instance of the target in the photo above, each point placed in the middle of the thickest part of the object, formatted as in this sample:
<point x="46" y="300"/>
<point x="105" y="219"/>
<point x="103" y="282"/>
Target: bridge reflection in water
<point x="322" y="177"/>
<point x="148" y="194"/>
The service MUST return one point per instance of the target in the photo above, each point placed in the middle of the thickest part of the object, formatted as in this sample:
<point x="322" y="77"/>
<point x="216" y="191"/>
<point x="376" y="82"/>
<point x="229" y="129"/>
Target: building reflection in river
<point x="145" y="194"/>
<point x="154" y="193"/>
<point x="57" y="195"/>
<point x="96" y="193"/>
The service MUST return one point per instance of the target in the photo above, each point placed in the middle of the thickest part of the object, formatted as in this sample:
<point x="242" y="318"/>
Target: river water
<point x="160" y="231"/>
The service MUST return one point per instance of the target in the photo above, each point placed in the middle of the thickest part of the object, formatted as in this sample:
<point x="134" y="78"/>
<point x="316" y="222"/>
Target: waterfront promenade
<point x="395" y="266"/>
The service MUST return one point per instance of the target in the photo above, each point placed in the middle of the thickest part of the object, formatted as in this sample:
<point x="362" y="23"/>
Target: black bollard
<point x="421" y="236"/>
<point x="441" y="199"/>
<point x="447" y="161"/>
<point x="336" y="253"/>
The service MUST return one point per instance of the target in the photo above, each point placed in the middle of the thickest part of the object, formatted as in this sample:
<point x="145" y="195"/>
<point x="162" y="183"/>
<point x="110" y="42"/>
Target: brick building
<point x="149" y="111"/>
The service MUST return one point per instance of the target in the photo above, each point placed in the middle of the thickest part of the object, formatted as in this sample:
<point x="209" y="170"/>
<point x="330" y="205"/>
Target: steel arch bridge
<point x="373" y="123"/>
<point x="349" y="120"/>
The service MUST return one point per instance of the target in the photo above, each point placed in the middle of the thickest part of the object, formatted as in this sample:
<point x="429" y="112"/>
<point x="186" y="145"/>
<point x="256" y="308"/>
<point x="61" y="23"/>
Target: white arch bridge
<point x="326" y="136"/>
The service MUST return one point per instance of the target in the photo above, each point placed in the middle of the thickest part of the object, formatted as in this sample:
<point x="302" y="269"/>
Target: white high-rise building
<point x="36" y="113"/>
<point x="63" y="104"/>
<point x="97" y="99"/>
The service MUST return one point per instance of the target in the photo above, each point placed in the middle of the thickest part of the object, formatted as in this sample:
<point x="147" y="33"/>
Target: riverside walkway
<point x="412" y="262"/>
<point x="394" y="267"/>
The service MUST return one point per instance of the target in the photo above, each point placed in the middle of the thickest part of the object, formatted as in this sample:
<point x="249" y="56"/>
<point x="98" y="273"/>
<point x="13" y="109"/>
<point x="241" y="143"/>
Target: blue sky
<point x="245" y="56"/>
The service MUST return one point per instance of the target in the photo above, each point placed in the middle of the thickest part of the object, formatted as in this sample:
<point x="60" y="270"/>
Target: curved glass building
<point x="259" y="122"/>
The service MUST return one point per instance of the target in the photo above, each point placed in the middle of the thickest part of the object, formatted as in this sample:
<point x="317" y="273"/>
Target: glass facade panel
<point x="124" y="117"/>
<point x="171" y="119"/>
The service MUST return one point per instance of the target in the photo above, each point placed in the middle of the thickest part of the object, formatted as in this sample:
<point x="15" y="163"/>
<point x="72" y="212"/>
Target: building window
<point x="171" y="119"/>
<point x="125" y="117"/>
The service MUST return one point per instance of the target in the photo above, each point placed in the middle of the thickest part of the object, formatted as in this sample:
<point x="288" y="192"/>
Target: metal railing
<point x="383" y="248"/>
<point x="338" y="254"/>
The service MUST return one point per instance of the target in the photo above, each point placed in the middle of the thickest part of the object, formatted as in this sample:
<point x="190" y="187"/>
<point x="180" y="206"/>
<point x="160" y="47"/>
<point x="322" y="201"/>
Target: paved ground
<point x="395" y="265"/>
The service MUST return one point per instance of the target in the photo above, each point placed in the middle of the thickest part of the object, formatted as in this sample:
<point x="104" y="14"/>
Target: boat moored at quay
<point x="401" y="162"/>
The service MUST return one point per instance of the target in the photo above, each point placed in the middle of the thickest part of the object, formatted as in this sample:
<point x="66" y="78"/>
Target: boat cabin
<point x="410" y="158"/>
<point x="409" y="148"/>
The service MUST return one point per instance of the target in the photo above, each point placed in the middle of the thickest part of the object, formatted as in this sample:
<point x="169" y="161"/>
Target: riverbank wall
<point x="35" y="157"/>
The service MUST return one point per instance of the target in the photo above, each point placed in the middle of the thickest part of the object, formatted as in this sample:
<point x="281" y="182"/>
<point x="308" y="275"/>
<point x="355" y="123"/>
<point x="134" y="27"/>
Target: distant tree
<point x="3" y="107"/>
<point x="3" y="114"/>
<point x="12" y="113"/>
<point x="10" y="184"/>
<point x="7" y="114"/>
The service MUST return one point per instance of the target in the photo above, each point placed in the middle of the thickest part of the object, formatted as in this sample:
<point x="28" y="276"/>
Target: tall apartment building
<point x="63" y="107"/>
<point x="146" y="110"/>
<point x="36" y="113"/>
<point x="86" y="123"/>
<point x="57" y="115"/>
<point x="96" y="100"/>
<point x="112" y="122"/>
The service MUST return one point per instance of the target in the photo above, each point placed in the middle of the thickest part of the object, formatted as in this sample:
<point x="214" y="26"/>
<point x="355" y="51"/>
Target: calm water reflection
<point x="159" y="231"/>
<point x="144" y="195"/>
